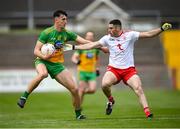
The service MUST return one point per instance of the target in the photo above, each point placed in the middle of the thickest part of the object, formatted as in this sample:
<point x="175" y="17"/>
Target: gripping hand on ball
<point x="46" y="57"/>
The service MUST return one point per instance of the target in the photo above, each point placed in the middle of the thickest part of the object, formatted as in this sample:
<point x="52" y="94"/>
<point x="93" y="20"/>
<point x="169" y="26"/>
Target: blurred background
<point x="157" y="59"/>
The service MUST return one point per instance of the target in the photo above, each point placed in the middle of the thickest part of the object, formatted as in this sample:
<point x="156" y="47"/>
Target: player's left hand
<point x="166" y="26"/>
<point x="97" y="72"/>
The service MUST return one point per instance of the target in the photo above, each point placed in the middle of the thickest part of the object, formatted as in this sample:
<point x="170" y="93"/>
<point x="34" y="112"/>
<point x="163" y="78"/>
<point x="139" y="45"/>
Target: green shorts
<point x="86" y="76"/>
<point x="53" y="68"/>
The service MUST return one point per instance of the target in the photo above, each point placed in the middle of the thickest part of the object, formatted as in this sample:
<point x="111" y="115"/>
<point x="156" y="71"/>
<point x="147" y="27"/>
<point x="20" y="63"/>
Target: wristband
<point x="79" y="61"/>
<point x="162" y="28"/>
<point x="73" y="47"/>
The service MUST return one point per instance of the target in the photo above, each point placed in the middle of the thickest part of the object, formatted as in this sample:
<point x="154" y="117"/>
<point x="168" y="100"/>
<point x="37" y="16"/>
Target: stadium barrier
<point x="17" y="81"/>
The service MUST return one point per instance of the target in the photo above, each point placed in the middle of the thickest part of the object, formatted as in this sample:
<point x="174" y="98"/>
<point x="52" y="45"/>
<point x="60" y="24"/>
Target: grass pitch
<point x="54" y="110"/>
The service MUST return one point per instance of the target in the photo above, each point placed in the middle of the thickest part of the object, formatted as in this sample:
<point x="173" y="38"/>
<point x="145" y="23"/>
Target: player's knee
<point x="74" y="90"/>
<point x="92" y="90"/>
<point x="81" y="90"/>
<point x="105" y="84"/>
<point x="43" y="75"/>
<point x="139" y="90"/>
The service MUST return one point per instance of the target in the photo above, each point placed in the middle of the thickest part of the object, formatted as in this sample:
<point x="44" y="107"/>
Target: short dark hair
<point x="57" y="13"/>
<point x="115" y="22"/>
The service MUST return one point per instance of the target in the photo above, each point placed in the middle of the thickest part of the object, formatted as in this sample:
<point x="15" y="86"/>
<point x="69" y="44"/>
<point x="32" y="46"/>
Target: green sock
<point x="78" y="112"/>
<point x="25" y="95"/>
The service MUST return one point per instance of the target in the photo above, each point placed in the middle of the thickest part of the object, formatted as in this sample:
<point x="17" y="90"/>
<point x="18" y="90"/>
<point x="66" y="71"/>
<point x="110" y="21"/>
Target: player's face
<point x="89" y="36"/>
<point x="113" y="30"/>
<point x="61" y="21"/>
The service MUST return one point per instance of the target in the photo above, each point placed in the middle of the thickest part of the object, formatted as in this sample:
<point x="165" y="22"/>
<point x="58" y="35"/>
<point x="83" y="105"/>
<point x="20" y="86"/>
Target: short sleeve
<point x="43" y="37"/>
<point x="135" y="35"/>
<point x="103" y="40"/>
<point x="71" y="36"/>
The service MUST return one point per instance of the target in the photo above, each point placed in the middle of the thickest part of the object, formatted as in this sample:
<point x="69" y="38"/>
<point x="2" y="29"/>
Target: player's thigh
<point x="134" y="82"/>
<point x="41" y="69"/>
<point x="66" y="79"/>
<point x="109" y="79"/>
<point x="83" y="84"/>
<point x="92" y="85"/>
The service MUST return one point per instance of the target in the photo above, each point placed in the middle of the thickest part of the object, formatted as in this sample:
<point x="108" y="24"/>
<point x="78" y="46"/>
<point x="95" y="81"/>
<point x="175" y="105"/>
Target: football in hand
<point x="47" y="49"/>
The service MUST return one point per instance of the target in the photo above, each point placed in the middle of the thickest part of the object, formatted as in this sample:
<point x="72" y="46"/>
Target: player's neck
<point x="58" y="28"/>
<point x="118" y="34"/>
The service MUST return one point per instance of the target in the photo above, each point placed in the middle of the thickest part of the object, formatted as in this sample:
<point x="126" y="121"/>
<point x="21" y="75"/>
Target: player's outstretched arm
<point x="87" y="46"/>
<point x="155" y="32"/>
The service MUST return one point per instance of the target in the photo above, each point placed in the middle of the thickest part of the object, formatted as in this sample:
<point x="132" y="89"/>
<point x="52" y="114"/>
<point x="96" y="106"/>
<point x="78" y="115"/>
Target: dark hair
<point x="57" y="13"/>
<point x="115" y="22"/>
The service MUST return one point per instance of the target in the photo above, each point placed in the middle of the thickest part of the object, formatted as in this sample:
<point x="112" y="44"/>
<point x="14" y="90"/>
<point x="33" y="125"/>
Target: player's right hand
<point x="97" y="72"/>
<point x="166" y="26"/>
<point x="78" y="62"/>
<point x="46" y="57"/>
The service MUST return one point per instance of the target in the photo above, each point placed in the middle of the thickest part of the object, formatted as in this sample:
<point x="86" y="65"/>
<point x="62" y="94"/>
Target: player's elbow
<point x="105" y="50"/>
<point x="35" y="52"/>
<point x="73" y="60"/>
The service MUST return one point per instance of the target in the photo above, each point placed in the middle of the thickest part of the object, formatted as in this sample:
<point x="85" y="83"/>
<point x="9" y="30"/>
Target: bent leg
<point x="42" y="73"/>
<point x="108" y="80"/>
<point x="91" y="89"/>
<point x="82" y="89"/>
<point x="86" y="88"/>
<point x="66" y="79"/>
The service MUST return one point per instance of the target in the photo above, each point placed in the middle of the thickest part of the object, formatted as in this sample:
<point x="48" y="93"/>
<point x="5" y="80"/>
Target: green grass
<point x="54" y="110"/>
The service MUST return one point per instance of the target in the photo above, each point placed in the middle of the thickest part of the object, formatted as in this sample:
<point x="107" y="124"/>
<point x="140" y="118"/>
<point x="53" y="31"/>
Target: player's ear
<point x="119" y="27"/>
<point x="55" y="19"/>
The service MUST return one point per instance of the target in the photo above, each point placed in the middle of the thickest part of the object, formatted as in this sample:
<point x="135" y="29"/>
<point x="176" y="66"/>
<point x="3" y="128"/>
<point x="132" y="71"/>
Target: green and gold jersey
<point x="52" y="36"/>
<point x="88" y="60"/>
